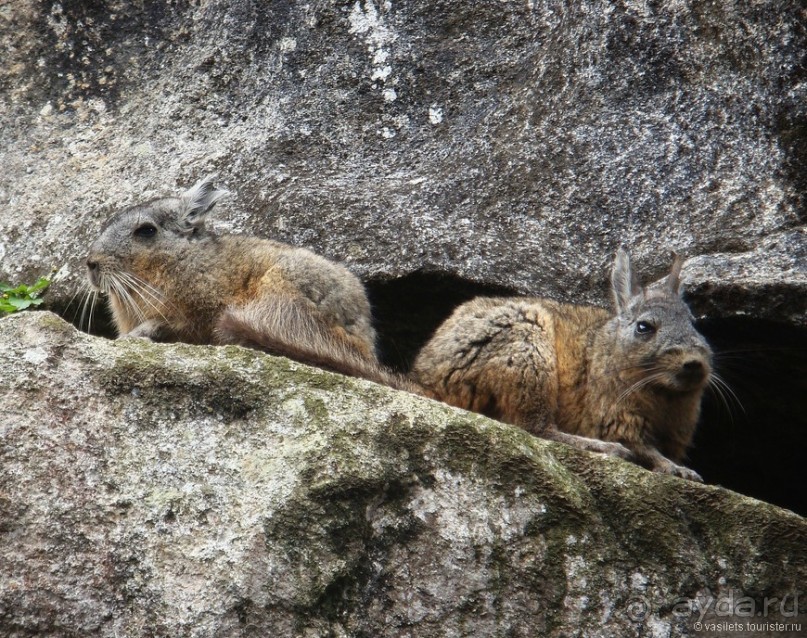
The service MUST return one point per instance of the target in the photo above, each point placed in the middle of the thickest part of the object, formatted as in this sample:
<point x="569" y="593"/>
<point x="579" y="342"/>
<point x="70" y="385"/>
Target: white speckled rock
<point x="513" y="143"/>
<point x="154" y="490"/>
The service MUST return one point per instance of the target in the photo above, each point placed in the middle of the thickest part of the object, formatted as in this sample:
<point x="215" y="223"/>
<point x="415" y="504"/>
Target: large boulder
<point x="174" y="490"/>
<point x="514" y="144"/>
<point x="441" y="150"/>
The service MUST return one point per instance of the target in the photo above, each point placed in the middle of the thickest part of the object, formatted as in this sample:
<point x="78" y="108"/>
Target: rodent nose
<point x="693" y="370"/>
<point x="692" y="366"/>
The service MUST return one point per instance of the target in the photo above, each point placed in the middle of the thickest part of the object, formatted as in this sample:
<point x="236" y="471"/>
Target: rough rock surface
<point x="512" y="143"/>
<point x="153" y="490"/>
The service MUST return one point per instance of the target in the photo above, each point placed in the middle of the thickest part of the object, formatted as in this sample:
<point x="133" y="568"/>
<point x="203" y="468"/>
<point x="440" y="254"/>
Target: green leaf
<point x="41" y="284"/>
<point x="21" y="297"/>
<point x="18" y="291"/>
<point x="19" y="303"/>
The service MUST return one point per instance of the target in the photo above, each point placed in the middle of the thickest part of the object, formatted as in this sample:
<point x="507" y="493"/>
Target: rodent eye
<point x="145" y="230"/>
<point x="645" y="328"/>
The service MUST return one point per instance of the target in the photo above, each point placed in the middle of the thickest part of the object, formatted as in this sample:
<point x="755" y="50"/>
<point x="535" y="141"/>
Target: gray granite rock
<point x="509" y="143"/>
<point x="174" y="490"/>
<point x="180" y="491"/>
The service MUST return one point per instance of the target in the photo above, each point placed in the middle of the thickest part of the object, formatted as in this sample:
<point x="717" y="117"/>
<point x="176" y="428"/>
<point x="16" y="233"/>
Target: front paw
<point x="678" y="470"/>
<point x="611" y="449"/>
<point x="134" y="335"/>
<point x="149" y="330"/>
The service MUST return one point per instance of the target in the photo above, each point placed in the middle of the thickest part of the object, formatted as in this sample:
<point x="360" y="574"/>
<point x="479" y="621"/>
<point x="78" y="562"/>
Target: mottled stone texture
<point x="152" y="490"/>
<point x="155" y="491"/>
<point x="511" y="143"/>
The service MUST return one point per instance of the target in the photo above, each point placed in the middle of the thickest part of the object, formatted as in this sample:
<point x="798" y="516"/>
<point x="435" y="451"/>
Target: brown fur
<point x="283" y="326"/>
<point x="568" y="372"/>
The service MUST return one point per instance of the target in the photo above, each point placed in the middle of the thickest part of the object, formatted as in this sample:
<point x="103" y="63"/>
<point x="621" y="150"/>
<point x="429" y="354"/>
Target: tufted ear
<point x="624" y="284"/>
<point x="673" y="280"/>
<point x="197" y="201"/>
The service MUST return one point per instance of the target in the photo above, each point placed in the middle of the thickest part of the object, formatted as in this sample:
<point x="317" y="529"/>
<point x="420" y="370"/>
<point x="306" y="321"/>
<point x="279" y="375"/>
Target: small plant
<point x="21" y="297"/>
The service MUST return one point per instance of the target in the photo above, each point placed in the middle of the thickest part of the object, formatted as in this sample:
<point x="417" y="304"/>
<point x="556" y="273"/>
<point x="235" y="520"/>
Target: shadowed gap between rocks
<point x="754" y="443"/>
<point x="751" y="441"/>
<point x="407" y="310"/>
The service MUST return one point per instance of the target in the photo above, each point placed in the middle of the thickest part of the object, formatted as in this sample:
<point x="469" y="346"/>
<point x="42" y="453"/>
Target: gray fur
<point x="673" y="280"/>
<point x="168" y="278"/>
<point x="624" y="283"/>
<point x="199" y="199"/>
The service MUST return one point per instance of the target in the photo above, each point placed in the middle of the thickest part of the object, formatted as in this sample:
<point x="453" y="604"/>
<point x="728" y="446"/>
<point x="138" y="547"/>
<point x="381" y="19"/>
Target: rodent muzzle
<point x="93" y="273"/>
<point x="687" y="368"/>
<point x="692" y="373"/>
<point x="694" y="369"/>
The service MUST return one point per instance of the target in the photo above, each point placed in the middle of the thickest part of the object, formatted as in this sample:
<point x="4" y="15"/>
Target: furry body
<point x="170" y="279"/>
<point x="246" y="276"/>
<point x="556" y="369"/>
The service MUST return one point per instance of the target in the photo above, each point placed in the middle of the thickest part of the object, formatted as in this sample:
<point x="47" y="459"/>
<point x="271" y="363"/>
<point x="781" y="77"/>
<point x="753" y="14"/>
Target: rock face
<point x="441" y="149"/>
<point x="510" y="143"/>
<point x="152" y="490"/>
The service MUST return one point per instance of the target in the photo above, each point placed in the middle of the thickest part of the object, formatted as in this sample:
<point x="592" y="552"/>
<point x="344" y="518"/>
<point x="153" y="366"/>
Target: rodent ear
<point x="624" y="284"/>
<point x="674" y="278"/>
<point x="199" y="199"/>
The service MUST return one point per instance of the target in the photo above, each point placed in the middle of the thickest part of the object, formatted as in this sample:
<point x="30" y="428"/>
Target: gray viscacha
<point x="169" y="278"/>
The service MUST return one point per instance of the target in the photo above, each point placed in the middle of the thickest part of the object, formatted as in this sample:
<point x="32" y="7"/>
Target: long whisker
<point x="725" y="392"/>
<point x="132" y="281"/>
<point x="727" y="388"/>
<point x="79" y="290"/>
<point x="639" y="385"/>
<point x="82" y="306"/>
<point x="85" y="307"/>
<point x="141" y="287"/>
<point x="151" y="299"/>
<point x="126" y="298"/>
<point x="720" y="394"/>
<point x="93" y="297"/>
<point x="129" y="301"/>
<point x="155" y="292"/>
<point x="644" y="367"/>
<point x="736" y="353"/>
<point x="138" y="297"/>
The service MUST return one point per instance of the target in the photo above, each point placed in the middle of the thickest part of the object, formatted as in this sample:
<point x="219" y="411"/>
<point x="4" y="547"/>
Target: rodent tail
<point x="284" y="326"/>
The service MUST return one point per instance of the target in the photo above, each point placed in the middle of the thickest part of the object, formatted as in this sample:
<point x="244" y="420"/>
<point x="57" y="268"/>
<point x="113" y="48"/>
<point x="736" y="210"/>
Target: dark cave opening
<point x="407" y="310"/>
<point x="754" y="443"/>
<point x="751" y="441"/>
